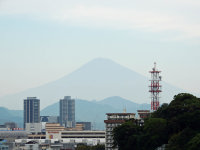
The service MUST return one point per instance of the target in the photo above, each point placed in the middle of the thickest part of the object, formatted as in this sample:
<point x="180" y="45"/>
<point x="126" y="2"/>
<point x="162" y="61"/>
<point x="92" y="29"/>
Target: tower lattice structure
<point x="155" y="88"/>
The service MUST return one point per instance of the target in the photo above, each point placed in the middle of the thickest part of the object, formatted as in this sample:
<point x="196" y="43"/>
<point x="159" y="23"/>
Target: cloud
<point x="102" y="14"/>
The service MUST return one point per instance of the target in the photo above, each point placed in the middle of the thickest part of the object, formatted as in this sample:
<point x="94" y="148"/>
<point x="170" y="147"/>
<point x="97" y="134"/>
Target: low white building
<point x="85" y="137"/>
<point x="33" y="127"/>
<point x="63" y="139"/>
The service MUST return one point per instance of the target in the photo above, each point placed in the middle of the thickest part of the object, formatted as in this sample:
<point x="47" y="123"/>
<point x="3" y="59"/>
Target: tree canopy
<point x="86" y="147"/>
<point x="175" y="125"/>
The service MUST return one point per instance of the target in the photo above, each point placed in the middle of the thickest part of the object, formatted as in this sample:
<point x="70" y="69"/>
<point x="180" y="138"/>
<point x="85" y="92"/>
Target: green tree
<point x="161" y="112"/>
<point x="87" y="147"/>
<point x="176" y="125"/>
<point x="194" y="143"/>
<point x="179" y="141"/>
<point x="82" y="147"/>
<point x="155" y="130"/>
<point x="127" y="136"/>
<point x="98" y="147"/>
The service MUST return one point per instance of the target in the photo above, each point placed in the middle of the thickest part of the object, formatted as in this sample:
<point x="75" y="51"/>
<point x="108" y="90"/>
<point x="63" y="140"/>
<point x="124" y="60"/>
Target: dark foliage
<point x="86" y="147"/>
<point x="176" y="125"/>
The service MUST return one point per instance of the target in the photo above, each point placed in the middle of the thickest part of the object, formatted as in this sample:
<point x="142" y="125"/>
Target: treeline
<point x="87" y="147"/>
<point x="175" y="126"/>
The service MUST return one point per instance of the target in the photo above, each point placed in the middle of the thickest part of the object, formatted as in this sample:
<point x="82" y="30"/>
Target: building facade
<point x="67" y="112"/>
<point x="57" y="138"/>
<point x="142" y="114"/>
<point x="114" y="120"/>
<point x="49" y="119"/>
<point x="86" y="125"/>
<point x="31" y="110"/>
<point x="33" y="128"/>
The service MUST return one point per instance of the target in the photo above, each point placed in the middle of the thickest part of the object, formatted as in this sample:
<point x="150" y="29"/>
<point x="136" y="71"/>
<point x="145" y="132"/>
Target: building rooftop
<point x="120" y="114"/>
<point x="143" y="110"/>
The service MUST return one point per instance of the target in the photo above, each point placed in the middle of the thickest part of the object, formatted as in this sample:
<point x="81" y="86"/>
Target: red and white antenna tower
<point x="155" y="88"/>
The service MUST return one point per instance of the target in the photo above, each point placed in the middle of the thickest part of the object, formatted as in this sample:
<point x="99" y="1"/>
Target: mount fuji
<point x="98" y="79"/>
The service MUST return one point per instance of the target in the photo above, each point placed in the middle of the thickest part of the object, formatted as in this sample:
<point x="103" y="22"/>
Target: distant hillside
<point x="7" y="115"/>
<point x="121" y="103"/>
<point x="95" y="112"/>
<point x="97" y="79"/>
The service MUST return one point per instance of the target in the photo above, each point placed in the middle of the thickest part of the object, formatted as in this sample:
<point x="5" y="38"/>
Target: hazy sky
<point x="43" y="40"/>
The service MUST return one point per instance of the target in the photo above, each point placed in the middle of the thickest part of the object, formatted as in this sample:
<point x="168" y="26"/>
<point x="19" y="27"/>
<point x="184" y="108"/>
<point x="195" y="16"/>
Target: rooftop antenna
<point x="124" y="110"/>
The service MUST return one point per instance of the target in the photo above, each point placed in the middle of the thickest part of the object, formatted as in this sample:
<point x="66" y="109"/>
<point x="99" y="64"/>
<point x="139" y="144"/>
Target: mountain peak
<point x="97" y="79"/>
<point x="101" y="60"/>
<point x="101" y="63"/>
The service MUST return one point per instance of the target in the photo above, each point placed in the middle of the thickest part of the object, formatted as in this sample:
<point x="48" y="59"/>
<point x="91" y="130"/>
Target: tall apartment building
<point x="67" y="112"/>
<point x="31" y="110"/>
<point x="114" y="120"/>
<point x="32" y="114"/>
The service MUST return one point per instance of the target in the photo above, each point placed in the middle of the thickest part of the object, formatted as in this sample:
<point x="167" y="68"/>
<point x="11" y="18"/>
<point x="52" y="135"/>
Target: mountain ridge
<point x="92" y="111"/>
<point x="95" y="111"/>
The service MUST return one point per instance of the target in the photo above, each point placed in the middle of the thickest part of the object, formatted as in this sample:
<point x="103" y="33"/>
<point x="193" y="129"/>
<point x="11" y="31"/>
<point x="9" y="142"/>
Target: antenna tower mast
<point x="155" y="88"/>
